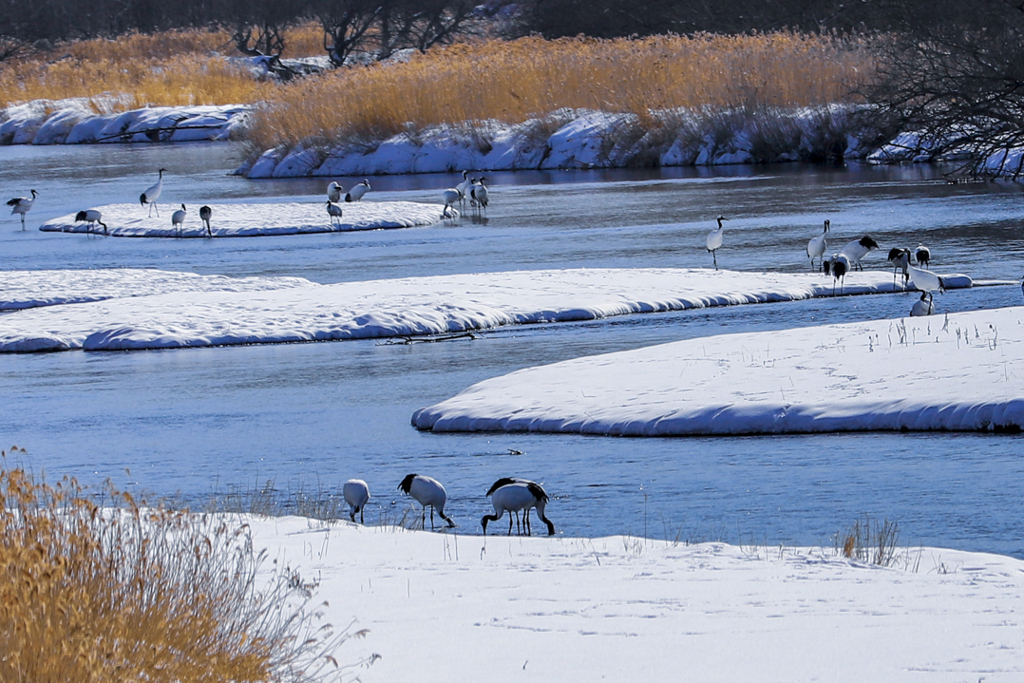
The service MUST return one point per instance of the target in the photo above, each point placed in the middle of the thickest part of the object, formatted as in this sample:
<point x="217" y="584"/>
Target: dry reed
<point x="118" y="593"/>
<point x="531" y="77"/>
<point x="171" y="68"/>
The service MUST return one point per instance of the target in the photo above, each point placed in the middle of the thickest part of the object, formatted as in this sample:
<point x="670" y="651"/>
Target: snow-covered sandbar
<point x="962" y="372"/>
<point x="249" y="220"/>
<point x="446" y="607"/>
<point x="446" y="304"/>
<point x="21" y="289"/>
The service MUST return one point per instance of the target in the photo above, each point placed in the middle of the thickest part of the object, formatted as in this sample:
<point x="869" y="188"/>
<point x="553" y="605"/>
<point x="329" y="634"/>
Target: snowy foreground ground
<point x="960" y="371"/>
<point x="446" y="607"/>
<point x="179" y="310"/>
<point x="250" y="220"/>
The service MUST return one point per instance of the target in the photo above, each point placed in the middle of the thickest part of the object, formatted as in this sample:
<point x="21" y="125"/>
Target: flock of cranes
<point x="849" y="259"/>
<point x="838" y="264"/>
<point x="511" y="495"/>
<point x="475" y="189"/>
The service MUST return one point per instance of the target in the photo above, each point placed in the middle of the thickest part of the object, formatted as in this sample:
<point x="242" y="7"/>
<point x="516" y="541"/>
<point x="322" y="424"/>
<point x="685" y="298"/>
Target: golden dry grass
<point x="514" y="81"/>
<point x="167" y="68"/>
<point x="118" y="593"/>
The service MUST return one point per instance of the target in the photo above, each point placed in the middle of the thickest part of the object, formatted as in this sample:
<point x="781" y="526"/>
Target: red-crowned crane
<point x="451" y="195"/>
<point x="334" y="192"/>
<point x="153" y="193"/>
<point x="817" y="246"/>
<point x="925" y="280"/>
<point x="923" y="307"/>
<point x="900" y="259"/>
<point x="205" y="213"/>
<point x="22" y="205"/>
<point x="514" y="495"/>
<point x="478" y="194"/>
<point x="356" y="493"/>
<point x="357" y="191"/>
<point x="857" y="249"/>
<point x="178" y="219"/>
<point x="428" y="492"/>
<point x="839" y="266"/>
<point x="334" y="211"/>
<point x="91" y="216"/>
<point x="463" y="188"/>
<point x="714" y="240"/>
<point x="922" y="255"/>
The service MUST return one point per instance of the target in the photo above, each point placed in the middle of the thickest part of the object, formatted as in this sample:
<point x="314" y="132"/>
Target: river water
<point x="199" y="422"/>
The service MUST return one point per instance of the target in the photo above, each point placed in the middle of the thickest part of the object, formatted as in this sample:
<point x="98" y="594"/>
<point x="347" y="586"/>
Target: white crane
<point x="899" y="257"/>
<point x="356" y="493"/>
<point x="514" y="496"/>
<point x="357" y="191"/>
<point x="205" y="213"/>
<point x="91" y="216"/>
<point x="22" y="205"/>
<point x="451" y="195"/>
<point x="925" y="280"/>
<point x="334" y="211"/>
<point x="714" y="240"/>
<point x="153" y="193"/>
<point x="428" y="492"/>
<point x="817" y="246"/>
<point x="926" y="306"/>
<point x="857" y="249"/>
<point x="334" y="192"/>
<point x="922" y="255"/>
<point x="178" y="219"/>
<point x="478" y="194"/>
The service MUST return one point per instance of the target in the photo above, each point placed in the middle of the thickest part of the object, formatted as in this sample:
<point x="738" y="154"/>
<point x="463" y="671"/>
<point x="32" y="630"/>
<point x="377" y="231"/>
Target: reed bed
<point x="172" y="68"/>
<point x="116" y="592"/>
<point x="518" y="80"/>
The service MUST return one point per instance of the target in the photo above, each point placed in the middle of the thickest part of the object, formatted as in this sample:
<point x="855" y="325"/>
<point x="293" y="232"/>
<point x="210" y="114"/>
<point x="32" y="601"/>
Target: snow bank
<point x="21" y="289"/>
<point x="578" y="139"/>
<point x="446" y="607"/>
<point x="80" y="120"/>
<point x="961" y="372"/>
<point x="411" y="306"/>
<point x="248" y="220"/>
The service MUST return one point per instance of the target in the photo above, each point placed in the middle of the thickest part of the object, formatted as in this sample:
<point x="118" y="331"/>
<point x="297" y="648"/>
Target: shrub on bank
<point x="115" y="592"/>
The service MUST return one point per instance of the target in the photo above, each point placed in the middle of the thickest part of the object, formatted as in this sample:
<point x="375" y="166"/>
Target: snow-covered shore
<point x="199" y="316"/>
<point x="580" y="139"/>
<point x="82" y="120"/>
<point x="250" y="220"/>
<point x="470" y="608"/>
<point x="958" y="372"/>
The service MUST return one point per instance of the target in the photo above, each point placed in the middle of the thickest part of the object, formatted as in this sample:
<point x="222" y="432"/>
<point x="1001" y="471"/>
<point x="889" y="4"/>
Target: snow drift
<point x="960" y="372"/>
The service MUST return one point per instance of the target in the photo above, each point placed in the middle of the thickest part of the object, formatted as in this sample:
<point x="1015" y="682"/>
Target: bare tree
<point x="955" y="72"/>
<point x="345" y="24"/>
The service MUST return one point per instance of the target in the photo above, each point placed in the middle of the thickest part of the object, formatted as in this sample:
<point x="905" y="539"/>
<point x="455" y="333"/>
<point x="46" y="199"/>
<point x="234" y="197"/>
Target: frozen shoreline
<point x="388" y="308"/>
<point x="627" y="608"/>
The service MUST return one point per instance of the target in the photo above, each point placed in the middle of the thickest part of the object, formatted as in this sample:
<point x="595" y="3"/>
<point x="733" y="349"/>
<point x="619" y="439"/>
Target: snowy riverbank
<point x="90" y="120"/>
<point x="193" y="316"/>
<point x="582" y="139"/>
<point x="251" y="220"/>
<point x="957" y="372"/>
<point x="464" y="608"/>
